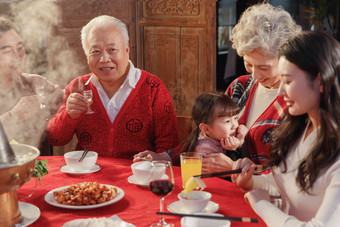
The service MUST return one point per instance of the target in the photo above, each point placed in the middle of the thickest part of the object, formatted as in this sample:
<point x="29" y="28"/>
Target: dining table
<point x="138" y="205"/>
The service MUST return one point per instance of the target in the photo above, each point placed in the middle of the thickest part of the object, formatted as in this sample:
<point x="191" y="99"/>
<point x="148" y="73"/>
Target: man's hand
<point x="27" y="108"/>
<point x="76" y="105"/>
<point x="151" y="155"/>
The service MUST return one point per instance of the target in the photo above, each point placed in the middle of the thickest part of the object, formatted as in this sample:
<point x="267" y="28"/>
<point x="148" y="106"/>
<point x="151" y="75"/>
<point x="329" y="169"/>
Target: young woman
<point x="305" y="151"/>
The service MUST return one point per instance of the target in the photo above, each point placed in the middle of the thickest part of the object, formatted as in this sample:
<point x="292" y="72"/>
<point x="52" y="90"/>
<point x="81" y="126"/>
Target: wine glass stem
<point x="161" y="209"/>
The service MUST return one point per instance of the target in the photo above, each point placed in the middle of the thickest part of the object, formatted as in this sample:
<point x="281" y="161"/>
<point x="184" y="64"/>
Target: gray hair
<point x="6" y="25"/>
<point x="265" y="27"/>
<point x="102" y="22"/>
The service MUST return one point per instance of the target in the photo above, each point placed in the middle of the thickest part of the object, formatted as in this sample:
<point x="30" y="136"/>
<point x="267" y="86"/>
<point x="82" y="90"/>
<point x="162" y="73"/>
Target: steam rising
<point x="37" y="20"/>
<point x="47" y="55"/>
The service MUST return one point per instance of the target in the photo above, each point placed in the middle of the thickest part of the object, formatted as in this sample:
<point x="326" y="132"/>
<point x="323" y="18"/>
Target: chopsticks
<point x="86" y="150"/>
<point x="241" y="219"/>
<point x="258" y="168"/>
<point x="219" y="173"/>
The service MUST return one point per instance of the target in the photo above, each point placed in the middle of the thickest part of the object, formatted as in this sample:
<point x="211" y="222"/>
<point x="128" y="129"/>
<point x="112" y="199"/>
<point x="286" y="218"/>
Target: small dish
<point x="176" y="207"/>
<point x="49" y="198"/>
<point x="29" y="212"/>
<point x="133" y="180"/>
<point x="67" y="169"/>
<point x="204" y="222"/>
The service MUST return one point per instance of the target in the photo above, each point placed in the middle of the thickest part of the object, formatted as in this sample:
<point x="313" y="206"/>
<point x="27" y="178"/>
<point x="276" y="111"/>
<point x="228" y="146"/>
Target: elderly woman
<point x="257" y="36"/>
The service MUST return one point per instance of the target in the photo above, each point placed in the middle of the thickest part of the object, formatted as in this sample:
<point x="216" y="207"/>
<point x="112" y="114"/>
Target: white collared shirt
<point x="114" y="104"/>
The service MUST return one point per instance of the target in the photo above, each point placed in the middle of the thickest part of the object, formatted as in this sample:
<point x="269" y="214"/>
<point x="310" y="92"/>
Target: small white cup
<point x="194" y="201"/>
<point x="141" y="171"/>
<point x="72" y="160"/>
<point x="200" y="222"/>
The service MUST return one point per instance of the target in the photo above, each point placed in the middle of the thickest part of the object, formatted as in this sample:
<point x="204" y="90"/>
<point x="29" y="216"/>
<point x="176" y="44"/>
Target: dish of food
<point x="78" y="190"/>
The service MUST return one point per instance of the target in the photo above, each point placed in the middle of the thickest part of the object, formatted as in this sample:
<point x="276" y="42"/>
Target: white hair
<point x="102" y="22"/>
<point x="265" y="27"/>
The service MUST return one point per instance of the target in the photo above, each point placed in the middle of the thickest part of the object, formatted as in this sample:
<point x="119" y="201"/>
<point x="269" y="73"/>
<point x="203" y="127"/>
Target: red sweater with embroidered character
<point x="146" y="121"/>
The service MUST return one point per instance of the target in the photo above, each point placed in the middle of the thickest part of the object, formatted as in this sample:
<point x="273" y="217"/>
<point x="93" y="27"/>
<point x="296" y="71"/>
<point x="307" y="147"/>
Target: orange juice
<point x="190" y="166"/>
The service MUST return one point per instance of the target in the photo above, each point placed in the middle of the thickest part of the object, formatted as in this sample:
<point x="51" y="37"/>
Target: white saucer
<point x="67" y="169"/>
<point x="133" y="180"/>
<point x="29" y="212"/>
<point x="194" y="221"/>
<point x="176" y="207"/>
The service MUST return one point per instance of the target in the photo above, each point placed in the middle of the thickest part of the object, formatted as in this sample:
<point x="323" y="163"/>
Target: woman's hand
<point x="151" y="155"/>
<point x="256" y="195"/>
<point x="244" y="179"/>
<point x="216" y="162"/>
<point x="76" y="105"/>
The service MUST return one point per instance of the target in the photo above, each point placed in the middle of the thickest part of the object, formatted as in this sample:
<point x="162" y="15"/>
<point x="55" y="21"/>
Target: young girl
<point x="305" y="154"/>
<point x="218" y="131"/>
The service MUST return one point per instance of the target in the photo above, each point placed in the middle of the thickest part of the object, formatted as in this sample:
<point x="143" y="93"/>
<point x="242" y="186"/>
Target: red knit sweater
<point x="146" y="121"/>
<point x="258" y="135"/>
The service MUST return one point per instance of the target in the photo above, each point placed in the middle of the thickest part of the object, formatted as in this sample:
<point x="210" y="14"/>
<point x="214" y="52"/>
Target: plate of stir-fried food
<point x="86" y="195"/>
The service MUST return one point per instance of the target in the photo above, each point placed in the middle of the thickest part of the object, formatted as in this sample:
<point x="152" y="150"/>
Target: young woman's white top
<point x="299" y="208"/>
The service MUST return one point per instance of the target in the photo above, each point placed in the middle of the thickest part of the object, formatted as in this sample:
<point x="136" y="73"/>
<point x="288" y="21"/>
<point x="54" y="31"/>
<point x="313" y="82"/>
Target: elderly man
<point x="23" y="113"/>
<point x="132" y="109"/>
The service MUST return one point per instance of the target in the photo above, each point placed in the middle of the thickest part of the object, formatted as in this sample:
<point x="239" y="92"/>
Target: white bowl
<point x="72" y="160"/>
<point x="141" y="171"/>
<point x="194" y="201"/>
<point x="200" y="222"/>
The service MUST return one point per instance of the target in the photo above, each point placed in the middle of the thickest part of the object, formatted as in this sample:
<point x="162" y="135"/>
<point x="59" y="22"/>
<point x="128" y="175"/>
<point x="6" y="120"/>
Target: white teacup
<point x="72" y="160"/>
<point x="141" y="171"/>
<point x="194" y="201"/>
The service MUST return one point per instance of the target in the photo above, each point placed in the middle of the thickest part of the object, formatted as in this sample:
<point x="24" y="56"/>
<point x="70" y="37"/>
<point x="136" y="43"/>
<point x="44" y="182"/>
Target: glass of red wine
<point x="161" y="183"/>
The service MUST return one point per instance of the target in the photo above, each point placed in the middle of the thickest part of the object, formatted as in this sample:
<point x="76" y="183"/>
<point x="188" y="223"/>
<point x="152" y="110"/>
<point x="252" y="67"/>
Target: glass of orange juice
<point x="191" y="165"/>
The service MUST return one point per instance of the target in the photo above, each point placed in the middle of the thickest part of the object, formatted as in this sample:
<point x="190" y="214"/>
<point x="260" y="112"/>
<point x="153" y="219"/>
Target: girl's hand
<point x="244" y="179"/>
<point x="230" y="143"/>
<point x="242" y="131"/>
<point x="256" y="195"/>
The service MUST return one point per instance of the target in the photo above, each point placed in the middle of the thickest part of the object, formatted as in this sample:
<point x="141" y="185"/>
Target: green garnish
<point x="40" y="169"/>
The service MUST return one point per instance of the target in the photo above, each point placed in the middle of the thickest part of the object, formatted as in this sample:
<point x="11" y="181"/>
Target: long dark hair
<point x="206" y="108"/>
<point x="316" y="53"/>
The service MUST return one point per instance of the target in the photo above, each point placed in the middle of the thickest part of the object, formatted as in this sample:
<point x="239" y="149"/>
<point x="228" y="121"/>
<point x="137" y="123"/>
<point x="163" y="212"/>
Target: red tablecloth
<point x="138" y="206"/>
